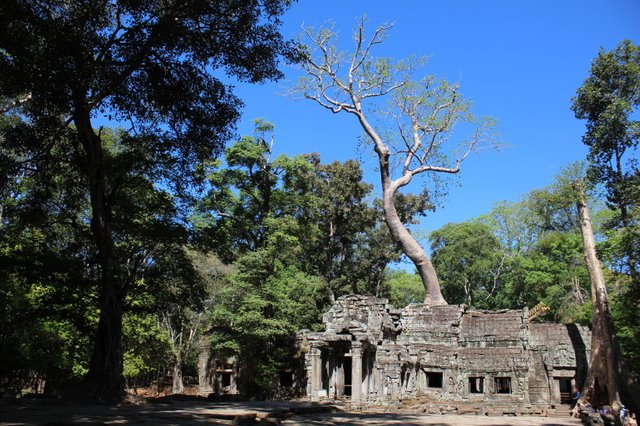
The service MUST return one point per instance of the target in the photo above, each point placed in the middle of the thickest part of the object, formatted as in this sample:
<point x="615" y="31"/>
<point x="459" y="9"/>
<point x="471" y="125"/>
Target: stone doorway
<point x="565" y="387"/>
<point x="341" y="370"/>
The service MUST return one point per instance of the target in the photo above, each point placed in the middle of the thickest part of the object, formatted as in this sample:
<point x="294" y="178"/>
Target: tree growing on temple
<point x="608" y="381"/>
<point x="414" y="136"/>
<point x="609" y="100"/>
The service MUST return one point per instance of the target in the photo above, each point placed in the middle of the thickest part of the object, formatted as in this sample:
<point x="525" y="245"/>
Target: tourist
<point x="624" y="415"/>
<point x="576" y="395"/>
<point x="574" y="399"/>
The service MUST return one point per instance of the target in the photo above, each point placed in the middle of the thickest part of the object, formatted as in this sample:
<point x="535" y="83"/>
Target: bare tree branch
<point x="423" y="114"/>
<point x="375" y="39"/>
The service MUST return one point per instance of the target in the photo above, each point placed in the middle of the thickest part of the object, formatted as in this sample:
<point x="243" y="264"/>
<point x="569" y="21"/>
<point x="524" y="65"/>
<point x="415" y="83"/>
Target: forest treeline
<point x="261" y="254"/>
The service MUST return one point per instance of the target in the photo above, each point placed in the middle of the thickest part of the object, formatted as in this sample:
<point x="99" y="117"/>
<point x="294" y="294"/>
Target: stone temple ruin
<point x="371" y="353"/>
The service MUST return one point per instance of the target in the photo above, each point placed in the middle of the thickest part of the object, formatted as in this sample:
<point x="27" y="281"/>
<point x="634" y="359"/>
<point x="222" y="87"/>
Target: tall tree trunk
<point x="413" y="251"/>
<point x="105" y="380"/>
<point x="409" y="246"/>
<point x="177" y="386"/>
<point x="606" y="381"/>
<point x="204" y="361"/>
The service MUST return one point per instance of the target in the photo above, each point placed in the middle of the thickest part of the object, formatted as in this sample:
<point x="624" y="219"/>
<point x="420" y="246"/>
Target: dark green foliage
<point x="47" y="308"/>
<point x="609" y="101"/>
<point x="625" y="316"/>
<point x="258" y="319"/>
<point x="250" y="192"/>
<point x="46" y="269"/>
<point x="150" y="64"/>
<point x="146" y="61"/>
<point x="50" y="272"/>
<point x="470" y="261"/>
<point x="403" y="288"/>
<point x="314" y="211"/>
<point x="345" y="222"/>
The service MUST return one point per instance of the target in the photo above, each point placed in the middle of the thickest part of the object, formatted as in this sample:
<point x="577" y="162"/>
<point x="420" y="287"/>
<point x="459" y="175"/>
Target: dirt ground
<point x="199" y="412"/>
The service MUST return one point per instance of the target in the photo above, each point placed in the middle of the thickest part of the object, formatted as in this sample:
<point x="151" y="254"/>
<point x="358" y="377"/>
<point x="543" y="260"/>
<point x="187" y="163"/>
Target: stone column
<point x="316" y="373"/>
<point x="356" y="372"/>
<point x="555" y="390"/>
<point x="233" y="379"/>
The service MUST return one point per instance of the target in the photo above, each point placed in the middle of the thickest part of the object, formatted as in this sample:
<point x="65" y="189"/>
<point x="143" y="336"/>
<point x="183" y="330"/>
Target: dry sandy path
<point x="56" y="413"/>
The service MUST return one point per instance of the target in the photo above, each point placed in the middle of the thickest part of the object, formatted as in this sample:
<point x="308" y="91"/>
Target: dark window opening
<point x="434" y="380"/>
<point x="503" y="384"/>
<point x="226" y="380"/>
<point x="286" y="379"/>
<point x="476" y="384"/>
<point x="565" y="390"/>
<point x="347" y="376"/>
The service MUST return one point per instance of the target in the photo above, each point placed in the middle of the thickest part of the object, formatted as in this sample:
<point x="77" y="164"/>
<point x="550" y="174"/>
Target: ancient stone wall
<point x="367" y="317"/>
<point x="372" y="353"/>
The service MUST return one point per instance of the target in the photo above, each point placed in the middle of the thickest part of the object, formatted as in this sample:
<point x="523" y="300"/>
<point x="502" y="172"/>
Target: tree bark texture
<point x="105" y="380"/>
<point x="177" y="386"/>
<point x="204" y="360"/>
<point x="606" y="381"/>
<point x="401" y="236"/>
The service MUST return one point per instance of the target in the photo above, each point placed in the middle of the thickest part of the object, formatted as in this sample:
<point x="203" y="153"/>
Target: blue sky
<point x="518" y="61"/>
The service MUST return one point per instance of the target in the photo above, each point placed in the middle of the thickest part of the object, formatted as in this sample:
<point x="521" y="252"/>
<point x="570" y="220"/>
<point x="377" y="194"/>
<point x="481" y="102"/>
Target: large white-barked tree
<point x="409" y="123"/>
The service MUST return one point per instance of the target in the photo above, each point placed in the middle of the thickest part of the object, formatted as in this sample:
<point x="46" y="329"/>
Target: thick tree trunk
<point x="399" y="234"/>
<point x="204" y="361"/>
<point x="606" y="379"/>
<point x="409" y="245"/>
<point x="105" y="381"/>
<point x="177" y="386"/>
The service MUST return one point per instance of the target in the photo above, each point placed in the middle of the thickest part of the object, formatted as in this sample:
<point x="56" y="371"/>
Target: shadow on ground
<point x="190" y="411"/>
